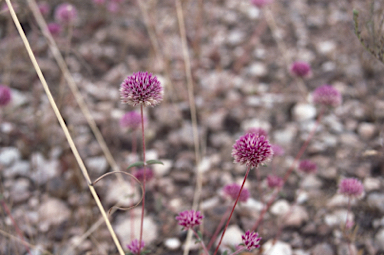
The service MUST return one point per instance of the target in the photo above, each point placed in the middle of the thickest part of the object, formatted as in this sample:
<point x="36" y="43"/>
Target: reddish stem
<point x="233" y="208"/>
<point x="288" y="173"/>
<point x="218" y="227"/>
<point x="145" y="177"/>
<point x="132" y="213"/>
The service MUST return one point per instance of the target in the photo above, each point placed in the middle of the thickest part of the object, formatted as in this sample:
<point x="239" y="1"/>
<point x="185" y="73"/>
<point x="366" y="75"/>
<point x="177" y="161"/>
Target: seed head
<point x="274" y="181"/>
<point x="301" y="69"/>
<point x="141" y="88"/>
<point x="351" y="187"/>
<point x="308" y="166"/>
<point x="131" y="120"/>
<point x="134" y="247"/>
<point x="189" y="219"/>
<point x="5" y="95"/>
<point x="327" y="95"/>
<point x="66" y="13"/>
<point x="251" y="240"/>
<point x="139" y="174"/>
<point x="251" y="150"/>
<point x="232" y="190"/>
<point x="261" y="3"/>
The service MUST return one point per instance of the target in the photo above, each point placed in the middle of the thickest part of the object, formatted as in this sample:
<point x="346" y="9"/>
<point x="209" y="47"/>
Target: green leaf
<point x="154" y="161"/>
<point x="226" y="252"/>
<point x="137" y="164"/>
<point x="145" y="252"/>
<point x="200" y="235"/>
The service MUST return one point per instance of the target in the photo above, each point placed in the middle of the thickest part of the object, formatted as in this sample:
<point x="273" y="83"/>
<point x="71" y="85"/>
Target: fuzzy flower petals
<point x="274" y="181"/>
<point x="327" y="95"/>
<point x="131" y="120"/>
<point x="232" y="190"/>
<point x="66" y="13"/>
<point x="251" y="240"/>
<point x="307" y="166"/>
<point x="189" y="219"/>
<point x="351" y="187"/>
<point x="300" y="69"/>
<point x="134" y="247"/>
<point x="5" y="95"/>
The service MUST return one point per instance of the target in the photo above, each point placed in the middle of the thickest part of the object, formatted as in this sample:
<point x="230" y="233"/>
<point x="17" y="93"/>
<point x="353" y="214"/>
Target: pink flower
<point x="134" y="247"/>
<point x="189" y="219"/>
<point x="327" y="95"/>
<point x="251" y="240"/>
<point x="351" y="187"/>
<point x="131" y="120"/>
<point x="261" y="3"/>
<point x="300" y="68"/>
<point x="66" y="13"/>
<point x="274" y="181"/>
<point x="54" y="29"/>
<point x="277" y="150"/>
<point x="252" y="150"/>
<point x="259" y="131"/>
<point x="139" y="174"/>
<point x="232" y="190"/>
<point x="141" y="88"/>
<point x="5" y="95"/>
<point x="308" y="166"/>
<point x="44" y="8"/>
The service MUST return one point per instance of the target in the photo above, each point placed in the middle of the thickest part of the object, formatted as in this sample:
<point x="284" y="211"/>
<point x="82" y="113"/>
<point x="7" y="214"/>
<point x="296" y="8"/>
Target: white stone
<point x="338" y="217"/>
<point x="97" y="165"/>
<point x="235" y="37"/>
<point x="311" y="182"/>
<point x="279" y="248"/>
<point x="44" y="169"/>
<point x="338" y="200"/>
<point x="366" y="130"/>
<point x="21" y="167"/>
<point x="326" y="47"/>
<point x="205" y="165"/>
<point x="161" y="170"/>
<point x="257" y="69"/>
<point x="297" y="217"/>
<point x="285" y="136"/>
<point x="253" y="205"/>
<point x="172" y="243"/>
<point x="379" y="238"/>
<point x="52" y="212"/>
<point x="9" y="155"/>
<point x="122" y="193"/>
<point x="209" y="203"/>
<point x="232" y="238"/>
<point x="303" y="111"/>
<point x="18" y="98"/>
<point x="280" y="207"/>
<point x="371" y="184"/>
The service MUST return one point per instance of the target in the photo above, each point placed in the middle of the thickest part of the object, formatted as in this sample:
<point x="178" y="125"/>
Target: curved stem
<point x="145" y="177"/>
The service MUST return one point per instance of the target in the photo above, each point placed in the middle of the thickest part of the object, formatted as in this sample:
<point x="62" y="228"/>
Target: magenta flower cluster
<point x="189" y="219"/>
<point x="327" y="95"/>
<point x="252" y="150"/>
<point x="131" y="120"/>
<point x="232" y="190"/>
<point x="251" y="240"/>
<point x="274" y="181"/>
<point x="351" y="187"/>
<point x="277" y="150"/>
<point x="260" y="3"/>
<point x="307" y="166"/>
<point x="134" y="247"/>
<point x="141" y="88"/>
<point x="300" y="68"/>
<point x="139" y="174"/>
<point x="66" y="13"/>
<point x="5" y="95"/>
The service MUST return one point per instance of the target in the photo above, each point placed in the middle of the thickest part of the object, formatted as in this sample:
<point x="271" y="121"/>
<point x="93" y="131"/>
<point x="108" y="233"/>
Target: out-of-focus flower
<point x="327" y="95"/>
<point x="277" y="150"/>
<point x="5" y="95"/>
<point x="66" y="13"/>
<point x="113" y="7"/>
<point x="189" y="219"/>
<point x="141" y="88"/>
<point x="308" y="166"/>
<point x="261" y="3"/>
<point x="251" y="240"/>
<point x="259" y="131"/>
<point x="139" y="174"/>
<point x="99" y="2"/>
<point x="274" y="181"/>
<point x="44" y="8"/>
<point x="232" y="190"/>
<point x="131" y="120"/>
<point x="252" y="150"/>
<point x="134" y="247"/>
<point x="351" y="187"/>
<point x="54" y="28"/>
<point x="301" y="69"/>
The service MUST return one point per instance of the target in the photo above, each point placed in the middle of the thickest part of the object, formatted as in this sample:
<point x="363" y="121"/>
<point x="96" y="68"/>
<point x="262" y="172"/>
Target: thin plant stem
<point x="290" y="170"/>
<point x="192" y="106"/>
<point x="131" y="212"/>
<point x="233" y="209"/>
<point x="144" y="179"/>
<point x="201" y="241"/>
<point x="219" y="227"/>
<point x="238" y="251"/>
<point x="63" y="125"/>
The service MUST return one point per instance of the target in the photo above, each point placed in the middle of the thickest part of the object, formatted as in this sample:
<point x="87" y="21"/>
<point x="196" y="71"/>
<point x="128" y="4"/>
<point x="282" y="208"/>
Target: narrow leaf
<point x="154" y="161"/>
<point x="137" y="164"/>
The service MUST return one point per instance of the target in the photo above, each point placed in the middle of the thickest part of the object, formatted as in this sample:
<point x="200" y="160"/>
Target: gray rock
<point x="52" y="212"/>
<point x="9" y="155"/>
<point x="376" y="200"/>
<point x="338" y="217"/>
<point x="379" y="239"/>
<point x="97" y="165"/>
<point x="297" y="217"/>
<point x="366" y="130"/>
<point x="323" y="249"/>
<point x="172" y="243"/>
<point x="232" y="237"/>
<point x="21" y="168"/>
<point x="43" y="169"/>
<point x="302" y="111"/>
<point x="20" y="190"/>
<point x="278" y="248"/>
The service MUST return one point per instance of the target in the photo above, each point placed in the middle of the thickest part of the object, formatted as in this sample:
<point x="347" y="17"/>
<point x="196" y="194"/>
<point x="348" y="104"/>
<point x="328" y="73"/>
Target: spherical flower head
<point x="44" y="8"/>
<point x="134" y="247"/>
<point x="327" y="95"/>
<point x="261" y="3"/>
<point x="66" y="13"/>
<point x="251" y="150"/>
<point x="277" y="150"/>
<point x="141" y="88"/>
<point x="308" y="166"/>
<point x="54" y="28"/>
<point x="131" y="120"/>
<point x="232" y="190"/>
<point x="351" y="187"/>
<point x="251" y="240"/>
<point x="189" y="219"/>
<point x="300" y="69"/>
<point x="259" y="131"/>
<point x="5" y="95"/>
<point x="274" y="181"/>
<point x="139" y="174"/>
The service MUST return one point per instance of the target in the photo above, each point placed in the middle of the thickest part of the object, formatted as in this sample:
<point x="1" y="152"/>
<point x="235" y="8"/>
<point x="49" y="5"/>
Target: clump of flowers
<point x="308" y="166"/>
<point x="277" y="150"/>
<point x="5" y="95"/>
<point x="274" y="181"/>
<point x="189" y="219"/>
<point x="232" y="190"/>
<point x="327" y="95"/>
<point x="141" y="88"/>
<point x="300" y="69"/>
<point x="351" y="187"/>
<point x="252" y="149"/>
<point x="139" y="174"/>
<point x="66" y="13"/>
<point x="251" y="240"/>
<point x="260" y="3"/>
<point x="134" y="247"/>
<point x="54" y="28"/>
<point x="259" y="131"/>
<point x="131" y="120"/>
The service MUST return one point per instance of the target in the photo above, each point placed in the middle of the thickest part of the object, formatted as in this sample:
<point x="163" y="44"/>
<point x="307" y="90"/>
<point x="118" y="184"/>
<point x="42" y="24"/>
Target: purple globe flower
<point x="189" y="219"/>
<point x="134" y="247"/>
<point x="139" y="174"/>
<point x="259" y="131"/>
<point x="301" y="69"/>
<point x="65" y="13"/>
<point x="131" y="120"/>
<point x="327" y="95"/>
<point x="251" y="150"/>
<point x="44" y="8"/>
<point x="261" y="3"/>
<point x="308" y="166"/>
<point x="141" y="88"/>
<point x="274" y="181"/>
<point x="232" y="190"/>
<point x="5" y="95"/>
<point x="54" y="28"/>
<point x="351" y="187"/>
<point x="277" y="150"/>
<point x="251" y="240"/>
